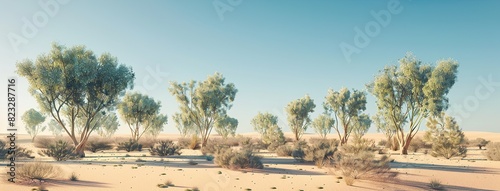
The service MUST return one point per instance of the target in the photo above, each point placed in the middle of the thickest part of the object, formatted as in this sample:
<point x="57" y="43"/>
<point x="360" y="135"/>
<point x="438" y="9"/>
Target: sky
<point x="273" y="51"/>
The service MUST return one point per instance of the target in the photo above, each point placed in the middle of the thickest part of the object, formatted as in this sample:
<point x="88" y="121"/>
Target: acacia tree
<point x="347" y="108"/>
<point x="445" y="135"/>
<point x="204" y="102"/>
<point x="33" y="120"/>
<point x="71" y="83"/>
<point x="141" y="113"/>
<point x="226" y="126"/>
<point x="387" y="129"/>
<point x="409" y="93"/>
<point x="183" y="124"/>
<point x="267" y="125"/>
<point x="298" y="115"/>
<point x="323" y="124"/>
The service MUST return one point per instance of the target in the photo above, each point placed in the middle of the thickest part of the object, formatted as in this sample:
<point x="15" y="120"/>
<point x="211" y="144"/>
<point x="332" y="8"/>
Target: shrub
<point x="320" y="152"/>
<point x="227" y="158"/>
<point x="317" y="141"/>
<point x="417" y="144"/>
<point x="213" y="146"/>
<point x="493" y="151"/>
<point x="165" y="148"/>
<point x="357" y="159"/>
<point x="284" y="151"/>
<point x="298" y="151"/>
<point x="60" y="151"/>
<point x="129" y="146"/>
<point x="148" y="143"/>
<point x="37" y="171"/>
<point x="479" y="142"/>
<point x="183" y="143"/>
<point x="382" y="143"/>
<point x="194" y="143"/>
<point x="95" y="145"/>
<point x="436" y="185"/>
<point x="244" y="141"/>
<point x="73" y="177"/>
<point x="446" y="137"/>
<point x="18" y="151"/>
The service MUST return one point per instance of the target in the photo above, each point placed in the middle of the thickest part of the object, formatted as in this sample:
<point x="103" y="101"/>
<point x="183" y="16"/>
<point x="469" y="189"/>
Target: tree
<point x="387" y="129"/>
<point x="183" y="124"/>
<point x="33" y="120"/>
<point x="445" y="135"/>
<point x="71" y="83"/>
<point x="347" y="108"/>
<point x="55" y="128"/>
<point x="323" y="124"/>
<point x="361" y="125"/>
<point x="479" y="142"/>
<point x="409" y="93"/>
<point x="226" y="126"/>
<point x="205" y="102"/>
<point x="298" y="115"/>
<point x="141" y="113"/>
<point x="267" y="125"/>
<point x="109" y="125"/>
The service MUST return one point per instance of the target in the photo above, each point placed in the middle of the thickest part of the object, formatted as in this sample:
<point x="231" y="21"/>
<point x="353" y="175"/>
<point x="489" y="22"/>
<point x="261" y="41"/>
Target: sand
<point x="119" y="170"/>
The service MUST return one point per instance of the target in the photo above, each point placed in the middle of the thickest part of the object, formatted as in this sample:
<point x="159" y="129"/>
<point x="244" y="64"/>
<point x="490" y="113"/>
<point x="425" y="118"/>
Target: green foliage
<point x="74" y="83"/>
<point x="323" y="124"/>
<point x="33" y="120"/>
<point x="267" y="125"/>
<point x="228" y="158"/>
<point x="37" y="171"/>
<point x="226" y="126"/>
<point x="204" y="102"/>
<point x="493" y="151"/>
<point x="108" y="125"/>
<point x="347" y="108"/>
<point x="142" y="114"/>
<point x="95" y="145"/>
<point x="55" y="128"/>
<point x="446" y="136"/>
<point x="130" y="145"/>
<point x="298" y="115"/>
<point x="183" y="124"/>
<point x="165" y="148"/>
<point x="60" y="151"/>
<point x="411" y="92"/>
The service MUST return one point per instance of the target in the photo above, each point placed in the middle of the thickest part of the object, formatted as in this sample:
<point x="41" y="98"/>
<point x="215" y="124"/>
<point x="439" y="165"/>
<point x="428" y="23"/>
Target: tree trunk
<point x="80" y="149"/>
<point x="405" y="146"/>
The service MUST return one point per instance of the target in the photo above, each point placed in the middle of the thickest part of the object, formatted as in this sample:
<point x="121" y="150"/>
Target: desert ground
<point x="119" y="170"/>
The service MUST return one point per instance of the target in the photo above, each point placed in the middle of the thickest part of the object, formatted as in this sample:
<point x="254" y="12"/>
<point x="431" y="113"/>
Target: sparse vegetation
<point x="73" y="177"/>
<point x="19" y="152"/>
<point x="165" y="148"/>
<point x="446" y="137"/>
<point x="435" y="184"/>
<point x="479" y="142"/>
<point x="129" y="146"/>
<point x="417" y="143"/>
<point x="493" y="151"/>
<point x="194" y="143"/>
<point x="95" y="145"/>
<point x="60" y="151"/>
<point x="227" y="158"/>
<point x="37" y="171"/>
<point x="284" y="151"/>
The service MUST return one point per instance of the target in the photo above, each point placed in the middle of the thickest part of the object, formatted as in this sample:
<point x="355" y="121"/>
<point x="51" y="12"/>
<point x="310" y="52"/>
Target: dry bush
<point x="321" y="152"/>
<point x="213" y="146"/>
<point x="98" y="144"/>
<point x="479" y="142"/>
<point x="493" y="151"/>
<point x="284" y="151"/>
<point x="19" y="152"/>
<point x="194" y="143"/>
<point x="316" y="141"/>
<point x="60" y="151"/>
<point x="148" y="143"/>
<point x="228" y="158"/>
<point x="129" y="146"/>
<point x="44" y="142"/>
<point x="165" y="148"/>
<point x="417" y="144"/>
<point x="183" y="142"/>
<point x="232" y="141"/>
<point x="37" y="171"/>
<point x="358" y="159"/>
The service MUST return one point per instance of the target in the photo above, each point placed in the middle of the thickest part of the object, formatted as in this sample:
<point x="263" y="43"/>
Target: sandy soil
<point x="113" y="170"/>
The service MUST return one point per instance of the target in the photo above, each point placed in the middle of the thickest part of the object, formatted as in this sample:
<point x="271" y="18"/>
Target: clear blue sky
<point x="274" y="51"/>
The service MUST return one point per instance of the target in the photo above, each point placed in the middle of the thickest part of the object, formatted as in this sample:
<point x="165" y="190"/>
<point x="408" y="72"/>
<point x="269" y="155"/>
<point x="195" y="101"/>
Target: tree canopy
<point x="204" y="103"/>
<point x="298" y="115"/>
<point x="323" y="124"/>
<point x="267" y="125"/>
<point x="411" y="92"/>
<point x="226" y="126"/>
<point x="71" y="83"/>
<point x="141" y="113"/>
<point x="33" y="120"/>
